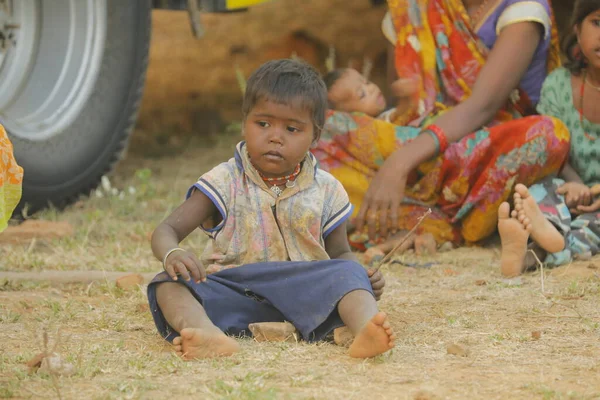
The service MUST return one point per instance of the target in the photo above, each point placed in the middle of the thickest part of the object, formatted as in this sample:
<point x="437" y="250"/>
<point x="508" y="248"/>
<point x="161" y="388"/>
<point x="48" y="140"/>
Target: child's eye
<point x="263" y="124"/>
<point x="293" y="129"/>
<point x="596" y="22"/>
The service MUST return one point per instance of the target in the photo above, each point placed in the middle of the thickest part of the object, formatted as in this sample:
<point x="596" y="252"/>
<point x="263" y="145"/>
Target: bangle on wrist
<point x="173" y="250"/>
<point x="441" y="136"/>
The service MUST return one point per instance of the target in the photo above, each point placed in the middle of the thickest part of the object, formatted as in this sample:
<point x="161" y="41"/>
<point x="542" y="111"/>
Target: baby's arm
<point x="337" y="246"/>
<point x="195" y="211"/>
<point x="576" y="193"/>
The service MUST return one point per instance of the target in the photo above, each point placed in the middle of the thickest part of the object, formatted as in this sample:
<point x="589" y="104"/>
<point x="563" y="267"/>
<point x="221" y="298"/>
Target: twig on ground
<point x="404" y="239"/>
<point x="541" y="270"/>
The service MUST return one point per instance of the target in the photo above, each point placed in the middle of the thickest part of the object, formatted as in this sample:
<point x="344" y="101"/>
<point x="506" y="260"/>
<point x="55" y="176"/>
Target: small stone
<point x="446" y="247"/>
<point x="481" y="282"/>
<point x="425" y="244"/>
<point x="342" y="336"/>
<point x="36" y="362"/>
<point x="274" y="332"/>
<point x="425" y="395"/>
<point x="129" y="282"/>
<point x="54" y="364"/>
<point x="457" y="350"/>
<point x="36" y="229"/>
<point x="592" y="266"/>
<point x="536" y="335"/>
<point x="142" y="308"/>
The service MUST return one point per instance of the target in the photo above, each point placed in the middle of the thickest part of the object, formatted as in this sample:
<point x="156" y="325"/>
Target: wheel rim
<point x="49" y="64"/>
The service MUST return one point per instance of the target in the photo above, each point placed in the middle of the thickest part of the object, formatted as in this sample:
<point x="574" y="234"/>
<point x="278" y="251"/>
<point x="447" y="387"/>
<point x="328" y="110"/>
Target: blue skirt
<point x="303" y="293"/>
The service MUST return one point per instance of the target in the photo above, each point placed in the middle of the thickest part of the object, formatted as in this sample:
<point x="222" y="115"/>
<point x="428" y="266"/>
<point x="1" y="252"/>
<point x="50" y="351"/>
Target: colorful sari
<point x="465" y="185"/>
<point x="11" y="177"/>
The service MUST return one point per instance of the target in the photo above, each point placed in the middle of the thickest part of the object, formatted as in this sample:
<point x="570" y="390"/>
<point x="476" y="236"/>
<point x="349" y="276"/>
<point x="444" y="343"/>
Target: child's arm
<point x="196" y="210"/>
<point x="337" y="246"/>
<point x="576" y="193"/>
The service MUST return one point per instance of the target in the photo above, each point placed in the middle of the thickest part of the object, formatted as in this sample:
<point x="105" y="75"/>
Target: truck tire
<point x="71" y="81"/>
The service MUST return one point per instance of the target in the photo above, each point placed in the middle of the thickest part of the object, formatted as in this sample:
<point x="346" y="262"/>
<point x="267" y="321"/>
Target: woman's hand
<point x="377" y="282"/>
<point x="576" y="194"/>
<point x="383" y="198"/>
<point x="185" y="263"/>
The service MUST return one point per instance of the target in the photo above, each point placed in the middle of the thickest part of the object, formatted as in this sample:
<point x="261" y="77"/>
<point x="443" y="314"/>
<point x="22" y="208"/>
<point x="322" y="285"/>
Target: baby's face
<point x="352" y="92"/>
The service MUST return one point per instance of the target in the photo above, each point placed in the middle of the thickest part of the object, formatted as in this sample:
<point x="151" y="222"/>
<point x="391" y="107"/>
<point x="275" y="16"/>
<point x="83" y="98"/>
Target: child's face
<point x="589" y="38"/>
<point x="352" y="92"/>
<point x="277" y="137"/>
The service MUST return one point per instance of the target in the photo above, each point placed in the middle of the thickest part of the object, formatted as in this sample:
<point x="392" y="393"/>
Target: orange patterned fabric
<point x="11" y="178"/>
<point x="465" y="185"/>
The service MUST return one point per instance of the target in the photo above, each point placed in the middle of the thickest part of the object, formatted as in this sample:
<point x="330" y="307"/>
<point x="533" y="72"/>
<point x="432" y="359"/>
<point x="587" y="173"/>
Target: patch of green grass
<point x="9" y="316"/>
<point x="249" y="387"/>
<point x="547" y="393"/>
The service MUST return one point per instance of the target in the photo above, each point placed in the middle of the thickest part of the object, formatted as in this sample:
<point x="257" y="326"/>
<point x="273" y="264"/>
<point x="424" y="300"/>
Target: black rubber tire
<point x="58" y="170"/>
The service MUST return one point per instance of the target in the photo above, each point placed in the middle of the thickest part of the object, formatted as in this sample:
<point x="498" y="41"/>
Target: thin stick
<point x="541" y="269"/>
<point x="404" y="239"/>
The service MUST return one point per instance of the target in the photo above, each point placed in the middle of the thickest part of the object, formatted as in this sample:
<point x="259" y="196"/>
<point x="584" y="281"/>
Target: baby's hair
<point x="575" y="59"/>
<point x="290" y="82"/>
<point x="331" y="78"/>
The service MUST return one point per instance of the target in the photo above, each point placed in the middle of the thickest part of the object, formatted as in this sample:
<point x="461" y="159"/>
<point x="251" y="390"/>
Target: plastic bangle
<point x="439" y="133"/>
<point x="173" y="250"/>
<point x="435" y="139"/>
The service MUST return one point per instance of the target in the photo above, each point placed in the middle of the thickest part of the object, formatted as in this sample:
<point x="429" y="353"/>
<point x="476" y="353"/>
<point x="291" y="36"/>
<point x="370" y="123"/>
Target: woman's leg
<point x="199" y="337"/>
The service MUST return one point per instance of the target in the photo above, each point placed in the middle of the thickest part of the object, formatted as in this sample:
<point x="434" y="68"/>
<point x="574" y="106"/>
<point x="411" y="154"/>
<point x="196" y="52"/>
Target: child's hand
<point x="595" y="206"/>
<point x="377" y="282"/>
<point x="180" y="262"/>
<point x="403" y="88"/>
<point x="576" y="194"/>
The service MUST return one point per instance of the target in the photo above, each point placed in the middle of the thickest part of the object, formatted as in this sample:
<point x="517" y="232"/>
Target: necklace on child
<point x="587" y="135"/>
<point x="289" y="181"/>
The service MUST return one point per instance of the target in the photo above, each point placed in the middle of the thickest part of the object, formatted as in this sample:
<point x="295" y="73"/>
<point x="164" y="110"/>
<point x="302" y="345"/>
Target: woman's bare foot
<point x="376" y="337"/>
<point x="204" y="343"/>
<point x="530" y="215"/>
<point x="513" y="236"/>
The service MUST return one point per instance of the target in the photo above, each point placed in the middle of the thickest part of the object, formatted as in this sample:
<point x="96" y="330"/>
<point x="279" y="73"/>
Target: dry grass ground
<point x="109" y="336"/>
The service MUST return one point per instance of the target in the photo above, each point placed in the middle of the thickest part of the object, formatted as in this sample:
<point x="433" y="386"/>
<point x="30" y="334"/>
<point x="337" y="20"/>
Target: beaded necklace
<point x="288" y="180"/>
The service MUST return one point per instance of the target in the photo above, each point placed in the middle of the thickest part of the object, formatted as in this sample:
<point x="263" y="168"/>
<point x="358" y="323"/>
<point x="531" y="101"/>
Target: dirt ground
<point x="522" y="339"/>
<point x="534" y="337"/>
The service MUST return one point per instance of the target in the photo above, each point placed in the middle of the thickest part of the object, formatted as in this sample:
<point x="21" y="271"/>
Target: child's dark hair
<point x="575" y="58"/>
<point x="288" y="82"/>
<point x="331" y="78"/>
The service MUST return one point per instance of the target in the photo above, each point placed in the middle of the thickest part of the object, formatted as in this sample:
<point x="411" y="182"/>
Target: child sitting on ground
<point x="562" y="215"/>
<point x="278" y="249"/>
<point x="349" y="91"/>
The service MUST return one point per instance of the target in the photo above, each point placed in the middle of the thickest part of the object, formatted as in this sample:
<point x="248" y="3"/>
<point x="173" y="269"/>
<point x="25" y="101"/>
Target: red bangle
<point x="439" y="133"/>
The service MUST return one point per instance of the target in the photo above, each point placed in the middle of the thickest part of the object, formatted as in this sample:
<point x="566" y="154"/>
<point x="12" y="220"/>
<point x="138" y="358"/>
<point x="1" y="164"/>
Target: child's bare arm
<point x="337" y="246"/>
<point x="569" y="174"/>
<point x="184" y="220"/>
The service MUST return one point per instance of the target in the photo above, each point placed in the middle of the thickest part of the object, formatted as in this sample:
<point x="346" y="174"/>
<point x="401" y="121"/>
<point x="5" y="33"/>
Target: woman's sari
<point x="465" y="185"/>
<point x="11" y="177"/>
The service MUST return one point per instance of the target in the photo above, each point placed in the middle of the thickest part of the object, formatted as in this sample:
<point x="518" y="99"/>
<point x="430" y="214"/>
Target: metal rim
<point x="49" y="63"/>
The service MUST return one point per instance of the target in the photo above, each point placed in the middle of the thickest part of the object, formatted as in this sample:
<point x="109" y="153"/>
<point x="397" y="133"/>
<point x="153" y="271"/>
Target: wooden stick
<point x="404" y="239"/>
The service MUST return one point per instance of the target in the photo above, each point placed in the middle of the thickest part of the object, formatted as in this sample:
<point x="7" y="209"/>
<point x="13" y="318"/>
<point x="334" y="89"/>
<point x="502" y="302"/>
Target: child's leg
<point x="544" y="213"/>
<point x="373" y="334"/>
<point x="584" y="238"/>
<point x="199" y="337"/>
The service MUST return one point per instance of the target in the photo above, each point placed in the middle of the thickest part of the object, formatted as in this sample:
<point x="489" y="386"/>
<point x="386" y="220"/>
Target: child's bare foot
<point x="530" y="215"/>
<point x="376" y="337"/>
<point x="204" y="343"/>
<point x="513" y="236"/>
